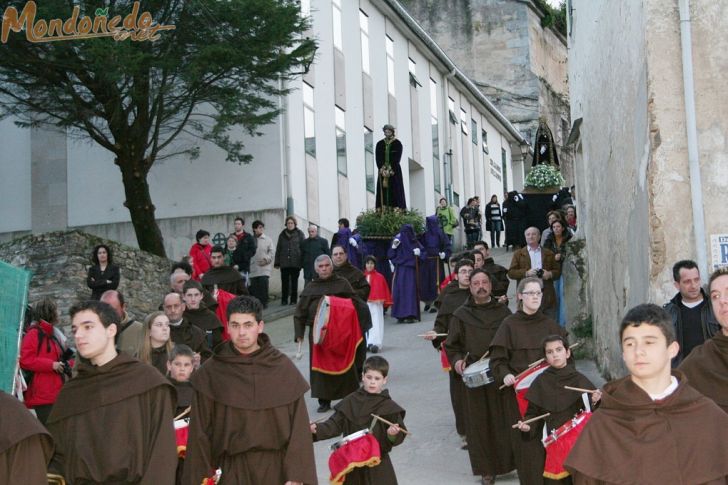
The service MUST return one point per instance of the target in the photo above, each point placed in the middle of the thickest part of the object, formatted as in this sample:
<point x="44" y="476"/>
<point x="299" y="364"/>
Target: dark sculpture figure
<point x="390" y="184"/>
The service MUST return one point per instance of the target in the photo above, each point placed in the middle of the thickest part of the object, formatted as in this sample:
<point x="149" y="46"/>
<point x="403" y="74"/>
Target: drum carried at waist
<point x="320" y="323"/>
<point x="181" y="433"/>
<point x="335" y="335"/>
<point x="356" y="450"/>
<point x="478" y="374"/>
<point x="558" y="445"/>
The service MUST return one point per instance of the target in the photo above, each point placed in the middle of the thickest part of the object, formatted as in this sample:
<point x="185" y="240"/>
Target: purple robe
<point x="353" y="253"/>
<point x="406" y="303"/>
<point x="435" y="242"/>
<point x="393" y="195"/>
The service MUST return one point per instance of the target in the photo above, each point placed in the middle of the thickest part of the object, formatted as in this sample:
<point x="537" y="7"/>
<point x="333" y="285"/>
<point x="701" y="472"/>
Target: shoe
<point x="410" y="320"/>
<point x="324" y="408"/>
<point x="427" y="307"/>
<point x="488" y="480"/>
<point x="433" y="310"/>
<point x="400" y="320"/>
<point x="373" y="349"/>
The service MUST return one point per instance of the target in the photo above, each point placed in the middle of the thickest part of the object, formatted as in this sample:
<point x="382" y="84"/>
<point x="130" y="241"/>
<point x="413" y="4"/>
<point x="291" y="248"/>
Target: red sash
<point x="335" y="355"/>
<point x="361" y="452"/>
<point x="223" y="298"/>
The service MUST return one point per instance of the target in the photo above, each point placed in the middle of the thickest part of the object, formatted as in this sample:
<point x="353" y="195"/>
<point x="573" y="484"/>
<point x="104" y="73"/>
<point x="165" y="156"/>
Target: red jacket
<point x="200" y="259"/>
<point x="46" y="383"/>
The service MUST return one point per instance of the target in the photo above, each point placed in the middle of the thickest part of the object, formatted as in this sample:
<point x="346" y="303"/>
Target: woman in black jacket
<point x="494" y="221"/>
<point x="103" y="275"/>
<point x="288" y="259"/>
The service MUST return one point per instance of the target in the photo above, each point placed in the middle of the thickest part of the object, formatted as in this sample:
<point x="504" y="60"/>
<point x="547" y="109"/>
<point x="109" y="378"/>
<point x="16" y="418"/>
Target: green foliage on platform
<point x="543" y="176"/>
<point x="385" y="224"/>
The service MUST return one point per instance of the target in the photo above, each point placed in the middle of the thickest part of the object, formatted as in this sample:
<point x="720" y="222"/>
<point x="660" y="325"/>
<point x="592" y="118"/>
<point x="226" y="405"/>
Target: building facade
<point x="640" y="206"/>
<point x="375" y="65"/>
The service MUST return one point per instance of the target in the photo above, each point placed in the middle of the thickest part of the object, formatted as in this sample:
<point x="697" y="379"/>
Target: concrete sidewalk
<point x="432" y="455"/>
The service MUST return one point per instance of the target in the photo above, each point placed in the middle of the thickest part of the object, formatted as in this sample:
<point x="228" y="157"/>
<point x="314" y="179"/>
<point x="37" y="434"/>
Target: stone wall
<point x="59" y="262"/>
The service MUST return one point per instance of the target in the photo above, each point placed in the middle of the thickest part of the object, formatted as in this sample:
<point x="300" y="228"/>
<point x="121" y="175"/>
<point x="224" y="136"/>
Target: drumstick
<point x="579" y="389"/>
<point x="299" y="354"/>
<point x="436" y="335"/>
<point x="528" y="421"/>
<point x="184" y="413"/>
<point x="390" y="423"/>
<point x="484" y="356"/>
<point x="534" y="364"/>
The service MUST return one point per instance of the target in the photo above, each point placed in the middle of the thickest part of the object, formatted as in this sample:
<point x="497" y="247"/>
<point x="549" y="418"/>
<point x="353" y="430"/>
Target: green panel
<point x="13" y="300"/>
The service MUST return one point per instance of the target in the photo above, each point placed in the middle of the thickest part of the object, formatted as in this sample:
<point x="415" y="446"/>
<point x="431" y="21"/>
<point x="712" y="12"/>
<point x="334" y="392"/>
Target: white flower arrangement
<point x="543" y="176"/>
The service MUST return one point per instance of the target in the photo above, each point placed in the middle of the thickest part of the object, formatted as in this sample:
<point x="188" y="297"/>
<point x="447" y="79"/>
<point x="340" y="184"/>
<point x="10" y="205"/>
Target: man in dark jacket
<point x="245" y="248"/>
<point x="691" y="312"/>
<point x="311" y="248"/>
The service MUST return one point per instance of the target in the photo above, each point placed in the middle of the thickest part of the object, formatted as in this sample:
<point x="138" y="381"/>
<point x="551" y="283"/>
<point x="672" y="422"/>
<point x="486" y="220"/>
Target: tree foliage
<point x="216" y="77"/>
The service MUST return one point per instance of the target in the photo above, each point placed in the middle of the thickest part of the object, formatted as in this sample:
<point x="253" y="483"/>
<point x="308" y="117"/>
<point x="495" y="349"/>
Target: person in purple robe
<point x="390" y="184"/>
<point x="437" y="249"/>
<point x="407" y="255"/>
<point x="351" y="243"/>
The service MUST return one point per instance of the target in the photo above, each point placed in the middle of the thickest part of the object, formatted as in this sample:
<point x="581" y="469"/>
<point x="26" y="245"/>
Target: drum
<point x="356" y="450"/>
<point x="558" y="445"/>
<point x="320" y="323"/>
<point x="181" y="433"/>
<point x="478" y="374"/>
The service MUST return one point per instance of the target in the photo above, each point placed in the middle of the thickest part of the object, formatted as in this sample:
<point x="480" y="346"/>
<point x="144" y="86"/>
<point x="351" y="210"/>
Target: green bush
<point x="386" y="223"/>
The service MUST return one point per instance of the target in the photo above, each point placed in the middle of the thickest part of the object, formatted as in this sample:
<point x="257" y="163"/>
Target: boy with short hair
<point x="179" y="368"/>
<point x="354" y="413"/>
<point x="652" y="426"/>
<point x="548" y="395"/>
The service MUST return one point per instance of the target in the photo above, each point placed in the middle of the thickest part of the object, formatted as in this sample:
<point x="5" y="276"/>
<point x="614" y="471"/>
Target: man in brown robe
<point x="343" y="268"/>
<point x="249" y="415"/>
<point x="181" y="330"/>
<point x="472" y="328"/>
<point x="25" y="445"/>
<point x="652" y="426"/>
<point x="706" y="367"/>
<point x="533" y="260"/>
<point x="222" y="276"/>
<point x="112" y="423"/>
<point x="449" y="300"/>
<point x="516" y="345"/>
<point x="200" y="316"/>
<point x="327" y="387"/>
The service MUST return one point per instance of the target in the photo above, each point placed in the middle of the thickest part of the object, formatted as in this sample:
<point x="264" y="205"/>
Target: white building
<point x="375" y="65"/>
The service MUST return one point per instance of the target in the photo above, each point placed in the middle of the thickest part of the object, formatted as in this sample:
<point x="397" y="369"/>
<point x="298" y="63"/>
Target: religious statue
<point x="390" y="185"/>
<point x="545" y="148"/>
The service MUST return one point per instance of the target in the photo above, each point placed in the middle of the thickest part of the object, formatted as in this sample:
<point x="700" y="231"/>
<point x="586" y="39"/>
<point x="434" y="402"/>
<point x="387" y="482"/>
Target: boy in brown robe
<point x="472" y="328"/>
<point x="199" y="315"/>
<point x="652" y="427"/>
<point x="25" y="445"/>
<point x="354" y="413"/>
<point x="249" y="416"/>
<point x="449" y="300"/>
<point x="548" y="395"/>
<point x="517" y="344"/>
<point x="112" y="423"/>
<point x="707" y="365"/>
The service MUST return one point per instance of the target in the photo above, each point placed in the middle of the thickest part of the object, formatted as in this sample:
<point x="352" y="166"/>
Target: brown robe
<point x="449" y="300"/>
<point x="207" y="321"/>
<point x="113" y="424"/>
<point x="521" y="263"/>
<point x="185" y="393"/>
<point x="25" y="445"/>
<point x="192" y="336"/>
<point x="472" y="328"/>
<point x="226" y="278"/>
<point x="517" y="344"/>
<point x="353" y="414"/>
<point x="499" y="277"/>
<point x="249" y="419"/>
<point x="159" y="359"/>
<point x="327" y="386"/>
<point x="707" y="369"/>
<point x="356" y="279"/>
<point x="633" y="440"/>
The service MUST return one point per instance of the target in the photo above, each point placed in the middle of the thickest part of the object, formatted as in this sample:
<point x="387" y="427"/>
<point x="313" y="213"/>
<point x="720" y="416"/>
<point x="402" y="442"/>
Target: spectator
<point x="494" y="220"/>
<point x="41" y="353"/>
<point x="471" y="221"/>
<point x="447" y="217"/>
<point x="244" y="250"/>
<point x="262" y="264"/>
<point x="343" y="224"/>
<point x="313" y="247"/>
<point x="177" y="280"/>
<point x="157" y="344"/>
<point x="288" y="259"/>
<point x="556" y="242"/>
<point x="231" y="245"/>
<point x="221" y="276"/>
<point x="551" y="216"/>
<point x="200" y="254"/>
<point x="103" y="275"/>
<point x="514" y="213"/>
<point x="571" y="217"/>
<point x="129" y="333"/>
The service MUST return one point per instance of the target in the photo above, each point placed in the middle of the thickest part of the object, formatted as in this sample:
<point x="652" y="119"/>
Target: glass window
<point x="340" y="119"/>
<point x="309" y="131"/>
<point x="413" y="74"/>
<point x="369" y="158"/>
<point x="484" y="135"/>
<point x="463" y="121"/>
<point x="338" y="36"/>
<point x="433" y="98"/>
<point x="364" y="30"/>
<point x="308" y="95"/>
<point x="474" y="131"/>
<point x="390" y="65"/>
<point x="436" y="153"/>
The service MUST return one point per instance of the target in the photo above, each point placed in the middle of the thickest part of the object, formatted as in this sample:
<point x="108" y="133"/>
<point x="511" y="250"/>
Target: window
<point x="309" y="123"/>
<point x="369" y="158"/>
<point x="338" y="36"/>
<point x="364" y="31"/>
<point x="451" y="110"/>
<point x="435" y="136"/>
<point x="463" y="121"/>
<point x="484" y="135"/>
<point x="414" y="82"/>
<point x="340" y="118"/>
<point x="474" y="131"/>
<point x="390" y="65"/>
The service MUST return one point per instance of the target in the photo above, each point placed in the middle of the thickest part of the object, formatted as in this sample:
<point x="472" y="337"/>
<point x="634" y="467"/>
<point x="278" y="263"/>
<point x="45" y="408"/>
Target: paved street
<point x="432" y="455"/>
